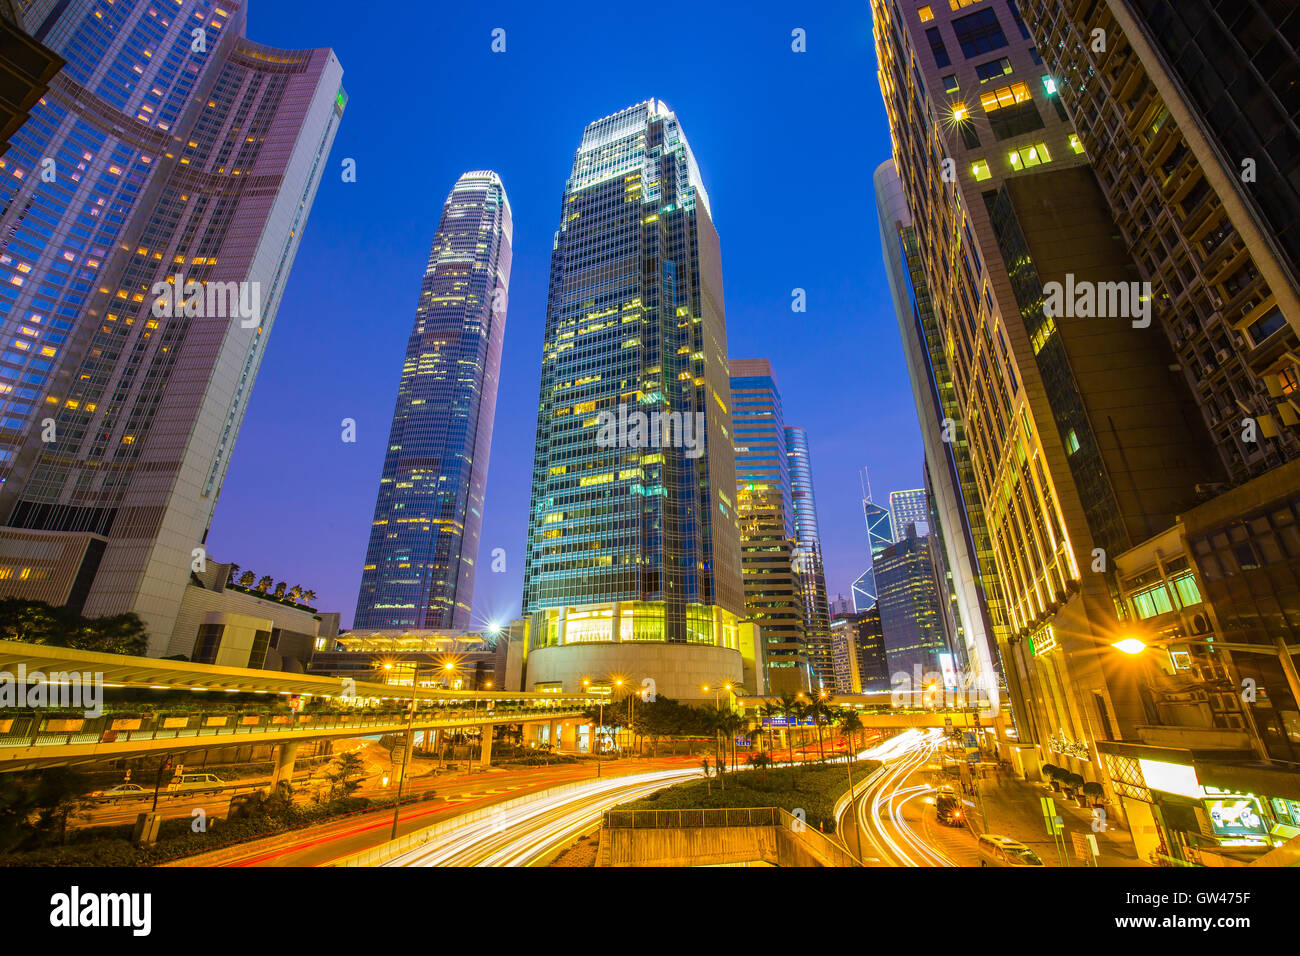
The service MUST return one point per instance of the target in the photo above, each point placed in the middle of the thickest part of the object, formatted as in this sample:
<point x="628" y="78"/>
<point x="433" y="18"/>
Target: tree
<point x="851" y="725"/>
<point x="264" y="583"/>
<point x="246" y="579"/>
<point x="295" y="593"/>
<point x="35" y="622"/>
<point x="820" y="713"/>
<point x="234" y="574"/>
<point x="791" y="709"/>
<point x="770" y="712"/>
<point x="347" y="766"/>
<point x="279" y="590"/>
<point x="60" y="796"/>
<point x="309" y="597"/>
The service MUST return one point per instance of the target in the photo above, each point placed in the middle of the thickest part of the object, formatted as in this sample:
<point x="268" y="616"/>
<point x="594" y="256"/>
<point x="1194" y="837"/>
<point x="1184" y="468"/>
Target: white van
<point x="195" y="781"/>
<point x="1003" y="851"/>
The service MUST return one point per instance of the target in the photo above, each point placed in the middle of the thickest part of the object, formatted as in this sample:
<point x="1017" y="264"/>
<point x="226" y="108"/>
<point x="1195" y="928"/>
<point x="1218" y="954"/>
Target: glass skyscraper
<point x="909" y="507"/>
<point x="154" y="161"/>
<point x="768" y="547"/>
<point x="808" y="560"/>
<point x="420" y="562"/>
<point x="633" y="560"/>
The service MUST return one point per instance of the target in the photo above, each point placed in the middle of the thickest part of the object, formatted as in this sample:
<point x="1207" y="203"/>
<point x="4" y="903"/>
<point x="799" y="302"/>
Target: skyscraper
<point x="880" y="533"/>
<point x="910" y="613"/>
<point x="420" y="562"/>
<point x="633" y="562"/>
<point x="171" y="158"/>
<point x="1079" y="426"/>
<point x="909" y="507"/>
<point x="769" y="551"/>
<point x="808" y="560"/>
<point x="27" y="67"/>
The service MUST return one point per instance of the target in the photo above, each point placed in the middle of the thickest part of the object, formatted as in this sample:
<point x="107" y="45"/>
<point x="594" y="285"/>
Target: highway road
<point x="531" y="833"/>
<point x="888" y="816"/>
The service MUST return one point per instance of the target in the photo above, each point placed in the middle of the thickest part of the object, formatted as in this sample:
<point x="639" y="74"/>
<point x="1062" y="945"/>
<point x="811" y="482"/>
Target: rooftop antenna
<point x="864" y="479"/>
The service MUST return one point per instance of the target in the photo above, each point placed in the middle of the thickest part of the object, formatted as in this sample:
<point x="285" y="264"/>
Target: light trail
<point x="880" y="808"/>
<point x="524" y="834"/>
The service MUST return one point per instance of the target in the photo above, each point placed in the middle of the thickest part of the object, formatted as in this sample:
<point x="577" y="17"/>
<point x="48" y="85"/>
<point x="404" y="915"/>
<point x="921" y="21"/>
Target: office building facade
<point x="423" y="549"/>
<point x="808" y="560"/>
<point x="150" y="207"/>
<point x="771" y="558"/>
<point x="633" y="562"/>
<point x="909" y="507"/>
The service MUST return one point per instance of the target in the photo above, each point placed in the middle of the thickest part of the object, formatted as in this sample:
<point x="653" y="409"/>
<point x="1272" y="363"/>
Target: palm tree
<point x="246" y="579"/>
<point x="295" y="593"/>
<point x="308" y="597"/>
<point x="729" y="725"/>
<point x="279" y="589"/>
<point x="850" y="725"/>
<point x="770" y="712"/>
<point x="234" y="574"/>
<point x="819" y="712"/>
<point x="791" y="709"/>
<point x="264" y="583"/>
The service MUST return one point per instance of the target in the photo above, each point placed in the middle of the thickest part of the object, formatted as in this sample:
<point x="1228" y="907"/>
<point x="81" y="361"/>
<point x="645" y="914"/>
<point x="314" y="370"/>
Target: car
<point x="121" y="790"/>
<point x="998" y="850"/>
<point x="196" y="781"/>
<point x="948" y="808"/>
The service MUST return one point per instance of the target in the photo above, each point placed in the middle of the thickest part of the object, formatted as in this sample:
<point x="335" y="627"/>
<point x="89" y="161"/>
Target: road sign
<point x="1050" y="819"/>
<point x="1085" y="847"/>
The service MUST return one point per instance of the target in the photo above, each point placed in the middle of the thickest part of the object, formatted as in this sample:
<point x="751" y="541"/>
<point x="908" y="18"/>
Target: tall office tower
<point x="960" y="531"/>
<point x="633" y="562"/>
<point x="808" y="560"/>
<point x="1083" y="439"/>
<point x="911" y="615"/>
<point x="26" y="67"/>
<point x="864" y="591"/>
<point x="909" y="507"/>
<point x="859" y="654"/>
<point x="419" y="570"/>
<point x="1189" y="111"/>
<point x="150" y="210"/>
<point x="769" y="549"/>
<point x="880" y="534"/>
<point x="840" y="605"/>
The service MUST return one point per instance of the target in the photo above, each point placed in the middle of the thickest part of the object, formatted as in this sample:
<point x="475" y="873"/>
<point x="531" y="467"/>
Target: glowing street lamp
<point x="1130" y="645"/>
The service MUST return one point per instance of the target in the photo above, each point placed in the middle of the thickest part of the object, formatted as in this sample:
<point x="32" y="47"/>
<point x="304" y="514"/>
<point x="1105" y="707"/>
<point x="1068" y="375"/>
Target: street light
<point x="406" y="751"/>
<point x="1135" y="645"/>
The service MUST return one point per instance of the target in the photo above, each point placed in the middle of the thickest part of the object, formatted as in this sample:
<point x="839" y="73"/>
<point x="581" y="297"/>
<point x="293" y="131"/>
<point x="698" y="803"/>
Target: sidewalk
<point x="1015" y="810"/>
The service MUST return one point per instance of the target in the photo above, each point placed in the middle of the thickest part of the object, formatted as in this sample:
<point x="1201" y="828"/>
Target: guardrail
<point x="378" y="855"/>
<point x="44" y="731"/>
<point x="711" y="817"/>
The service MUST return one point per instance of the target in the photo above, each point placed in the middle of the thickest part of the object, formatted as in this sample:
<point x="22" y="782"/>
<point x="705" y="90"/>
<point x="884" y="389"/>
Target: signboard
<point x="1236" y="816"/>
<point x="948" y="668"/>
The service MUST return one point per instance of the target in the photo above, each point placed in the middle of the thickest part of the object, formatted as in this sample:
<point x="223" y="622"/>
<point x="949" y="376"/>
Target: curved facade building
<point x="423" y="549"/>
<point x="171" y="159"/>
<point x="633" y="541"/>
<point x="808" y="561"/>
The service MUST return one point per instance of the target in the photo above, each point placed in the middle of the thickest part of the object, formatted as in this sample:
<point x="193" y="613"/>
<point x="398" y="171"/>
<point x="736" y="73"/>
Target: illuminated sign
<point x="1237" y="816"/>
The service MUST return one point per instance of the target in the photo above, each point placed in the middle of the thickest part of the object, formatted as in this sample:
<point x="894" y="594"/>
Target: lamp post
<point x="406" y="750"/>
<point x="1135" y="645"/>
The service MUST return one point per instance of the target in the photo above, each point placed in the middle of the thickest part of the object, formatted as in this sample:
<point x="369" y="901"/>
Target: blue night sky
<point x="786" y="142"/>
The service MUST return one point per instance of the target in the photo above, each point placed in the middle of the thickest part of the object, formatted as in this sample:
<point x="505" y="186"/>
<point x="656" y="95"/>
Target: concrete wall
<point x="713" y="846"/>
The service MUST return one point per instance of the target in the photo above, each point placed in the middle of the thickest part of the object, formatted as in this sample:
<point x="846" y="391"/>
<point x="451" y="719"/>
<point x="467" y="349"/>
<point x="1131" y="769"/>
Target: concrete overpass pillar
<point x="285" y="755"/>
<point x="485" y="751"/>
<point x="555" y="734"/>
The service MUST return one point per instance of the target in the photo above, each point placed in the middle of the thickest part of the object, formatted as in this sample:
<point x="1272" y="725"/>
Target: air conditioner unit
<point x="1200" y="624"/>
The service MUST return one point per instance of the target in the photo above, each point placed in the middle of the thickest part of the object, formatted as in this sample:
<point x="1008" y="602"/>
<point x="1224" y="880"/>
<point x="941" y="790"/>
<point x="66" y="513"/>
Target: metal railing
<point x="670" y="819"/>
<point x="34" y="731"/>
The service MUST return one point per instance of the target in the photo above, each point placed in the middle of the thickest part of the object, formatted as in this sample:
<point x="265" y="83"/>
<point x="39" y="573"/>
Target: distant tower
<point x="419" y="570"/>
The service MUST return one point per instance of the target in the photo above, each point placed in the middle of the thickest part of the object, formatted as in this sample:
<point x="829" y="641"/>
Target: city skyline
<point x="330" y="526"/>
